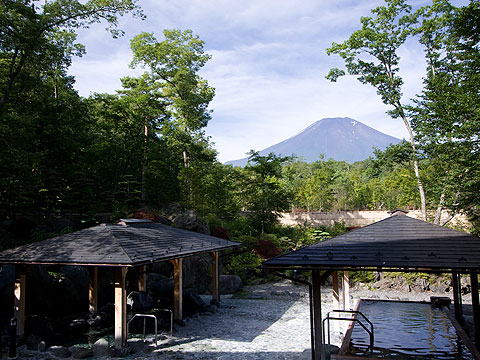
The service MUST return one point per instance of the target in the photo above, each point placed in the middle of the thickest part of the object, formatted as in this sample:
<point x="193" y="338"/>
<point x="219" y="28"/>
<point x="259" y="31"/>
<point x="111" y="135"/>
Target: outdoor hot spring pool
<point x="408" y="330"/>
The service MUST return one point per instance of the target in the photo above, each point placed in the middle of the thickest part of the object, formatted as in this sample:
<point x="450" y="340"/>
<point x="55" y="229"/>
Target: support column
<point x="317" y="315"/>
<point x="142" y="278"/>
<point x="215" y="278"/>
<point x="336" y="299"/>
<point x="93" y="290"/>
<point x="457" y="301"/>
<point x="177" y="289"/>
<point x="120" y="307"/>
<point x="475" y="307"/>
<point x="346" y="291"/>
<point x="19" y="291"/>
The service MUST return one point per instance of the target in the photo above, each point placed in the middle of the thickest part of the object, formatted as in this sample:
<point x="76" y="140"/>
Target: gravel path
<point x="268" y="321"/>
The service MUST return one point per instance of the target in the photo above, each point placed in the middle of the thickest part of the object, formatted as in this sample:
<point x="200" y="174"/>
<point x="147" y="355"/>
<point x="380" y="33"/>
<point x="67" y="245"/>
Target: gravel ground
<point x="268" y="321"/>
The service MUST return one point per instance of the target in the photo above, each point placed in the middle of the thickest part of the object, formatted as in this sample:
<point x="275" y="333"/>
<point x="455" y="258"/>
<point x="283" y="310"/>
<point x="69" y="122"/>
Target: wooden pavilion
<point x="397" y="244"/>
<point x="122" y="246"/>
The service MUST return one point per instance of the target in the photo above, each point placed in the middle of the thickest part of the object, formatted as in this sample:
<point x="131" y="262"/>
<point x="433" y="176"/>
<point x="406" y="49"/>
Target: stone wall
<point x="356" y="218"/>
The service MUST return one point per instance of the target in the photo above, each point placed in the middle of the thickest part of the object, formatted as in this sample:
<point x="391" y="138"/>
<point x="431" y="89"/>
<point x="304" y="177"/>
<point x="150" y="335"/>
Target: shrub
<point x="244" y="265"/>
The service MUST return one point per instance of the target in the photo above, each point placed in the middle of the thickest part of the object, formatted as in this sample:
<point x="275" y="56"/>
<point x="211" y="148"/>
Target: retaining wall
<point x="356" y="218"/>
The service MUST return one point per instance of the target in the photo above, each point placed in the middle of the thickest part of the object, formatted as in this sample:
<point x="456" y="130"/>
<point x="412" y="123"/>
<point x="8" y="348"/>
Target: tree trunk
<point x="438" y="214"/>
<point x="144" y="166"/>
<point x="423" y="201"/>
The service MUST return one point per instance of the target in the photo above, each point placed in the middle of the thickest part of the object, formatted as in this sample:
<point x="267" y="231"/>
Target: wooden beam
<point x="215" y="278"/>
<point x="318" y="351"/>
<point x="20" y="293"/>
<point x="475" y="307"/>
<point x="457" y="301"/>
<point x="335" y="290"/>
<point x="93" y="290"/>
<point x="336" y="299"/>
<point x="346" y="291"/>
<point x="120" y="307"/>
<point x="177" y="289"/>
<point x="142" y="278"/>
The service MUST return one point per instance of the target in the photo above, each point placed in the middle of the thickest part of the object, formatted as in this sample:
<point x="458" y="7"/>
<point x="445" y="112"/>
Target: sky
<point x="268" y="65"/>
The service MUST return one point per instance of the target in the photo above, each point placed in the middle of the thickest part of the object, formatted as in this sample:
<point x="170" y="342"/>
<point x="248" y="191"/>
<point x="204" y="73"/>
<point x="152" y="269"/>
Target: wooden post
<point x="142" y="278"/>
<point x="317" y="315"/>
<point x="456" y="297"/>
<point x="93" y="290"/>
<point x="346" y="291"/>
<point x="120" y="307"/>
<point x="177" y="289"/>
<point x="336" y="299"/>
<point x="475" y="307"/>
<point x="215" y="278"/>
<point x="19" y="305"/>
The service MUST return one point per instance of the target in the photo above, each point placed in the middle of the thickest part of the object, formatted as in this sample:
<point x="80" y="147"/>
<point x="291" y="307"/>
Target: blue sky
<point x="268" y="65"/>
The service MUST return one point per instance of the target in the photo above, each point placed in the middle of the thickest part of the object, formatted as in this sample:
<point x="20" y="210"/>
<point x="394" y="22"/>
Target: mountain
<point x="337" y="138"/>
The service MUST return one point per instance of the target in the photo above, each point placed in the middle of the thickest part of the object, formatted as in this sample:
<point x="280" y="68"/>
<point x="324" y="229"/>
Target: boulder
<point x="420" y="285"/>
<point x="192" y="302"/>
<point x="140" y="301"/>
<point x="172" y="210"/>
<point x="211" y="309"/>
<point x="196" y="270"/>
<point x="80" y="352"/>
<point x="101" y="348"/>
<point x="32" y="342"/>
<point x="190" y="221"/>
<point x="59" y="351"/>
<point x="159" y="285"/>
<point x="39" y="325"/>
<point x="399" y="283"/>
<point x="230" y="284"/>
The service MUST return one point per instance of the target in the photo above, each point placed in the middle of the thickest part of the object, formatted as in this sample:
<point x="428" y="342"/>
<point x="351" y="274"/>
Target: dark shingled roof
<point x="116" y="245"/>
<point x="395" y="243"/>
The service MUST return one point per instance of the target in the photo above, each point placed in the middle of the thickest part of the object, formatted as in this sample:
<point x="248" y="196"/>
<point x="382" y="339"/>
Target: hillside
<point x="342" y="139"/>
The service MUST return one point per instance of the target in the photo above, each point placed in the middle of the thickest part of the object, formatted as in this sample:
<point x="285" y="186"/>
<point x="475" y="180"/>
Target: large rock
<point x="101" y="348"/>
<point x="192" y="302"/>
<point x="39" y="325"/>
<point x="80" y="352"/>
<point x="159" y="285"/>
<point x="140" y="301"/>
<point x="196" y="275"/>
<point x="398" y="283"/>
<point x="57" y="291"/>
<point x="59" y="351"/>
<point x="33" y="341"/>
<point x="230" y="284"/>
<point x="190" y="221"/>
<point x="172" y="210"/>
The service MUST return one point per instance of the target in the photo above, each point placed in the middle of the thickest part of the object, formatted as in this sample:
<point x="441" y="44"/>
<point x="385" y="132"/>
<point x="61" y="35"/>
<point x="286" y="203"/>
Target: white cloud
<point x="268" y="65"/>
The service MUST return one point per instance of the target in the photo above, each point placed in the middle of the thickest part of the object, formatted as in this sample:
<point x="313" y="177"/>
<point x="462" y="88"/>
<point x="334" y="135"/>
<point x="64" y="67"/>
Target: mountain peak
<point x="342" y="139"/>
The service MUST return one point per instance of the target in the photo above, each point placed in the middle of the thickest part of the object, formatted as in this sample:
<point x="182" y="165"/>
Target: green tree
<point x="264" y="195"/>
<point x="446" y="117"/>
<point x="317" y="191"/>
<point x="371" y="53"/>
<point x="173" y="65"/>
<point x="43" y="37"/>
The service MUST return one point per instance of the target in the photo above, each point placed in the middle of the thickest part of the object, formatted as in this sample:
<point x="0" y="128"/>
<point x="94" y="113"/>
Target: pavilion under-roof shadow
<point x="398" y="244"/>
<point x="122" y="246"/>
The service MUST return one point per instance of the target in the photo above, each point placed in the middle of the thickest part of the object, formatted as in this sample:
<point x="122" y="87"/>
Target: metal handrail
<point x="144" y="316"/>
<point x="355" y="319"/>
